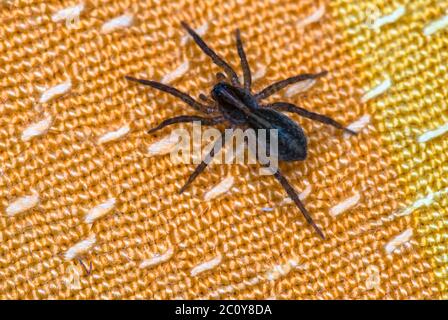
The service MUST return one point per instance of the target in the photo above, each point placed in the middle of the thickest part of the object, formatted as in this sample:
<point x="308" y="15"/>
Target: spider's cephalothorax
<point x="234" y="104"/>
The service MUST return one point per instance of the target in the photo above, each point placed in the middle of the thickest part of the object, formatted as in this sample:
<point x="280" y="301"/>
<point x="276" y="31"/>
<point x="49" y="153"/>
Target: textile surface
<point x="82" y="184"/>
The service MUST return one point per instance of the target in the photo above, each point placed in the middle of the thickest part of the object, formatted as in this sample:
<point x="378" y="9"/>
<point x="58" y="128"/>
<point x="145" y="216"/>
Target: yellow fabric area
<point x="81" y="182"/>
<point x="415" y="104"/>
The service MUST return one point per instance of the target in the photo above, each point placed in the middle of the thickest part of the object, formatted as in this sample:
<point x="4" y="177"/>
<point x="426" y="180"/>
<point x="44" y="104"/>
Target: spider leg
<point x="273" y="88"/>
<point x="244" y="63"/>
<point x="203" y="97"/>
<point x="183" y="119"/>
<point x="289" y="107"/>
<point x="218" y="145"/>
<point x="206" y="99"/>
<point x="293" y="195"/>
<point x="216" y="59"/>
<point x="174" y="92"/>
<point x="220" y="76"/>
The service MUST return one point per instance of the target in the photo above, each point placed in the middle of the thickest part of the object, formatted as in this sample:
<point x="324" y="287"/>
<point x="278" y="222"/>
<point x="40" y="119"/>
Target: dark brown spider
<point x="235" y="104"/>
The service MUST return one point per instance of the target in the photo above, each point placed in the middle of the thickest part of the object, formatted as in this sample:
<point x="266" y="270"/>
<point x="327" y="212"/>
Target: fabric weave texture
<point x="82" y="183"/>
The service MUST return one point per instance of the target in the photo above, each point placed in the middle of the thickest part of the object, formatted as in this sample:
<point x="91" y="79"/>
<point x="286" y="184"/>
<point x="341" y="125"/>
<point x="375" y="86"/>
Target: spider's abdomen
<point x="292" y="142"/>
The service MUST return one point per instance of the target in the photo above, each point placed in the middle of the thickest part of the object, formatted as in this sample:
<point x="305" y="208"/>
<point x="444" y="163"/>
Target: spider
<point x="234" y="103"/>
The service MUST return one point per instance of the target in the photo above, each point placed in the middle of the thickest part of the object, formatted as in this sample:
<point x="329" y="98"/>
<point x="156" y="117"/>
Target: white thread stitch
<point x="200" y="31"/>
<point x="358" y="125"/>
<point x="55" y="91"/>
<point x="281" y="270"/>
<point x="231" y="288"/>
<point x="302" y="196"/>
<point x="429" y="135"/>
<point x="80" y="248"/>
<point x="271" y="274"/>
<point x="100" y="210"/>
<point x="260" y="73"/>
<point x="397" y="241"/>
<point x="376" y="91"/>
<point x="305" y="193"/>
<point x="206" y="266"/>
<point x="157" y="259"/>
<point x="345" y="205"/>
<point x="37" y="129"/>
<point x="117" y="23"/>
<point x="114" y="135"/>
<point x="163" y="146"/>
<point x="22" y="204"/>
<point x="68" y="13"/>
<point x="179" y="72"/>
<point x="387" y="19"/>
<point x="422" y="202"/>
<point x="219" y="189"/>
<point x="314" y="17"/>
<point x="436" y="25"/>
<point x="299" y="87"/>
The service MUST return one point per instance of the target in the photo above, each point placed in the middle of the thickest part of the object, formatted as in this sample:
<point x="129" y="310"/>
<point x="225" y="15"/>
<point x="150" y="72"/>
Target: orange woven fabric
<point x="82" y="183"/>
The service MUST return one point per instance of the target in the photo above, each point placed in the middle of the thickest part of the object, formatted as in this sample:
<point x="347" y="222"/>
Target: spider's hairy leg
<point x="183" y="119"/>
<point x="212" y="54"/>
<point x="293" y="195"/>
<point x="277" y="86"/>
<point x="174" y="92"/>
<point x="220" y="76"/>
<point x="206" y="99"/>
<point x="289" y="107"/>
<point x="201" y="167"/>
<point x="244" y="64"/>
